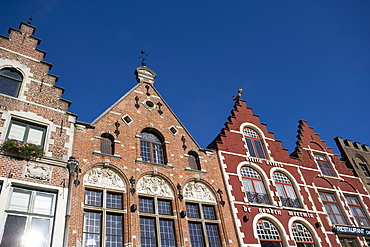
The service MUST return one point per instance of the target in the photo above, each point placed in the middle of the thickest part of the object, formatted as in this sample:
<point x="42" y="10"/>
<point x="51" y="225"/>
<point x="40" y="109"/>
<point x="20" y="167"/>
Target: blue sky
<point x="294" y="59"/>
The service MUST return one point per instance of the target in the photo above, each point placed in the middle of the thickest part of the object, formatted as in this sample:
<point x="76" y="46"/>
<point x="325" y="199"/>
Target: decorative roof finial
<point x="240" y="92"/>
<point x="143" y="58"/>
<point x="31" y="17"/>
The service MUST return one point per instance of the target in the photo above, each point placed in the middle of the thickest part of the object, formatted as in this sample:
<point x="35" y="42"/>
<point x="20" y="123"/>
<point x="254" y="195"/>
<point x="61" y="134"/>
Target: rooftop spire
<point x="143" y="58"/>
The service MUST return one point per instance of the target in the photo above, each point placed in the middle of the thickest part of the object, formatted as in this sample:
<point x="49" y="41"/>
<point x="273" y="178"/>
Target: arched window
<point x="268" y="234"/>
<point x="324" y="165"/>
<point x="302" y="235"/>
<point x="107" y="144"/>
<point x="254" y="144"/>
<point x="156" y="212"/>
<point x="286" y="191"/>
<point x="103" y="208"/>
<point x="254" y="186"/>
<point x="151" y="147"/>
<point x="203" y="223"/>
<point x="193" y="159"/>
<point x="10" y="81"/>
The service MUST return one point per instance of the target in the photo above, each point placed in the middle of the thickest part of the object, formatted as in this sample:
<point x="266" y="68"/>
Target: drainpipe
<point x="73" y="170"/>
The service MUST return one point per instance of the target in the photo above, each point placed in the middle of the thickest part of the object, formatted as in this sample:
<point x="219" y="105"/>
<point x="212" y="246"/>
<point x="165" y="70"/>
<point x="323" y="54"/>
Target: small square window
<point x="173" y="130"/>
<point x="127" y="119"/>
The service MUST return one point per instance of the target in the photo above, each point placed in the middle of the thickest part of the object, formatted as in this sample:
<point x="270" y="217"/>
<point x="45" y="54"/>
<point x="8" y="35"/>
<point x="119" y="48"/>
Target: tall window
<point x="26" y="132"/>
<point x="254" y="186"/>
<point x="107" y="144"/>
<point x="254" y="144"/>
<point x="268" y="234"/>
<point x="156" y="222"/>
<point x="348" y="242"/>
<point x="364" y="169"/>
<point x="203" y="226"/>
<point x="193" y="159"/>
<point x="357" y="211"/>
<point x="286" y="191"/>
<point x="10" y="81"/>
<point x="302" y="235"/>
<point x="29" y="218"/>
<point x="151" y="148"/>
<point x="332" y="208"/>
<point x="103" y="219"/>
<point x="324" y="165"/>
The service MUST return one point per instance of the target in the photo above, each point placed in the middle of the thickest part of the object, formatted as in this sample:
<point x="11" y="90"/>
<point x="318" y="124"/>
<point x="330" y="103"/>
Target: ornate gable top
<point x="144" y="74"/>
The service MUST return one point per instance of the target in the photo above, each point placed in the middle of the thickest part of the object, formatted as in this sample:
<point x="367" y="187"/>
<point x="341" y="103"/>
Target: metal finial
<point x="143" y="58"/>
<point x="240" y="92"/>
<point x="31" y="17"/>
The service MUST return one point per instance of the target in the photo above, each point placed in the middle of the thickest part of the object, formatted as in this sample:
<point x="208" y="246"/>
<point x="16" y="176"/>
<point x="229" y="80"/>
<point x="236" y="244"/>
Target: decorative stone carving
<point x="104" y="177"/>
<point x="198" y="191"/>
<point x="38" y="171"/>
<point x="154" y="186"/>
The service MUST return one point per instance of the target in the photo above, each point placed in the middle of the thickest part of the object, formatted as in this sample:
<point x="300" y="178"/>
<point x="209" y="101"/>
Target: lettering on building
<point x="253" y="159"/>
<point x="300" y="214"/>
<point x="273" y="163"/>
<point x="269" y="211"/>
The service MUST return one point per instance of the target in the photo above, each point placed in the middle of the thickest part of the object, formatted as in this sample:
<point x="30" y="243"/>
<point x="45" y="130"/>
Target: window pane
<point x="9" y="86"/>
<point x="38" y="233"/>
<point x="17" y="132"/>
<point x="93" y="198"/>
<point x="192" y="210"/>
<point x="257" y="143"/>
<point x="114" y="200"/>
<point x="91" y="229"/>
<point x="43" y="203"/>
<point x="164" y="207"/>
<point x="146" y="205"/>
<point x="114" y="231"/>
<point x="145" y="151"/>
<point x="147" y="232"/>
<point x="250" y="147"/>
<point x="248" y="186"/>
<point x="20" y="200"/>
<point x="196" y="234"/>
<point x="209" y="212"/>
<point x="157" y="153"/>
<point x="167" y="235"/>
<point x="35" y="136"/>
<point x="212" y="233"/>
<point x="13" y="231"/>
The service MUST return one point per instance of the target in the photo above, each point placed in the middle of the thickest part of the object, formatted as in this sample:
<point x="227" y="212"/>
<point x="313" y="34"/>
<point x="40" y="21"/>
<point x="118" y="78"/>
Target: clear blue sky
<point x="294" y="59"/>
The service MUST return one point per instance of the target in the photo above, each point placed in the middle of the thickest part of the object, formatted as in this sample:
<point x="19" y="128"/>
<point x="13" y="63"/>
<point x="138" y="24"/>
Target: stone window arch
<point x="202" y="216"/>
<point x="286" y="191"/>
<point x="301" y="235"/>
<point x="156" y="212"/>
<point x="107" y="144"/>
<point x="254" y="186"/>
<point x="152" y="146"/>
<point x="103" y="207"/>
<point x="268" y="234"/>
<point x="10" y="81"/>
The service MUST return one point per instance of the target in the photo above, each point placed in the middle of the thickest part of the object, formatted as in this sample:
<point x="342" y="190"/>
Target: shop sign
<point x="352" y="230"/>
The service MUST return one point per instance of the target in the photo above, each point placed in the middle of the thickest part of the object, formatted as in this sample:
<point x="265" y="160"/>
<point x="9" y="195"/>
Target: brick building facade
<point x="33" y="191"/>
<point x="357" y="158"/>
<point x="308" y="198"/>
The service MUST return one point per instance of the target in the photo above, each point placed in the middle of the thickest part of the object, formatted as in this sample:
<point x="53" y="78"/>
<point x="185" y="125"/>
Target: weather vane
<point x="143" y="58"/>
<point x="240" y="92"/>
<point x="31" y="17"/>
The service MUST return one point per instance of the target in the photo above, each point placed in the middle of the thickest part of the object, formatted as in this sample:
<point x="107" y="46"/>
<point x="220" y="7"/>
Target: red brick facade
<point x="278" y="199"/>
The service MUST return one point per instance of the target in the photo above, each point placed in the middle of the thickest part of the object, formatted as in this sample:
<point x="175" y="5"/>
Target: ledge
<point x="154" y="164"/>
<point x="197" y="171"/>
<point x="107" y="155"/>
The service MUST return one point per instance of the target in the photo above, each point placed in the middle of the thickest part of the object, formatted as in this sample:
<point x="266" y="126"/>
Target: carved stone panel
<point x="198" y="191"/>
<point x="104" y="177"/>
<point x="156" y="186"/>
<point x="38" y="171"/>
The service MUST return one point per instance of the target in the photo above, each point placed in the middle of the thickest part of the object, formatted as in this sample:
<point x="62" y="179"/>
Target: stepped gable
<point x="19" y="50"/>
<point x="240" y="115"/>
<point x="308" y="142"/>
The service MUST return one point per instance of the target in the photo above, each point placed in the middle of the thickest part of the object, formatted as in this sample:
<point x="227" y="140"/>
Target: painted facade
<point x="33" y="118"/>
<point x="307" y="198"/>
